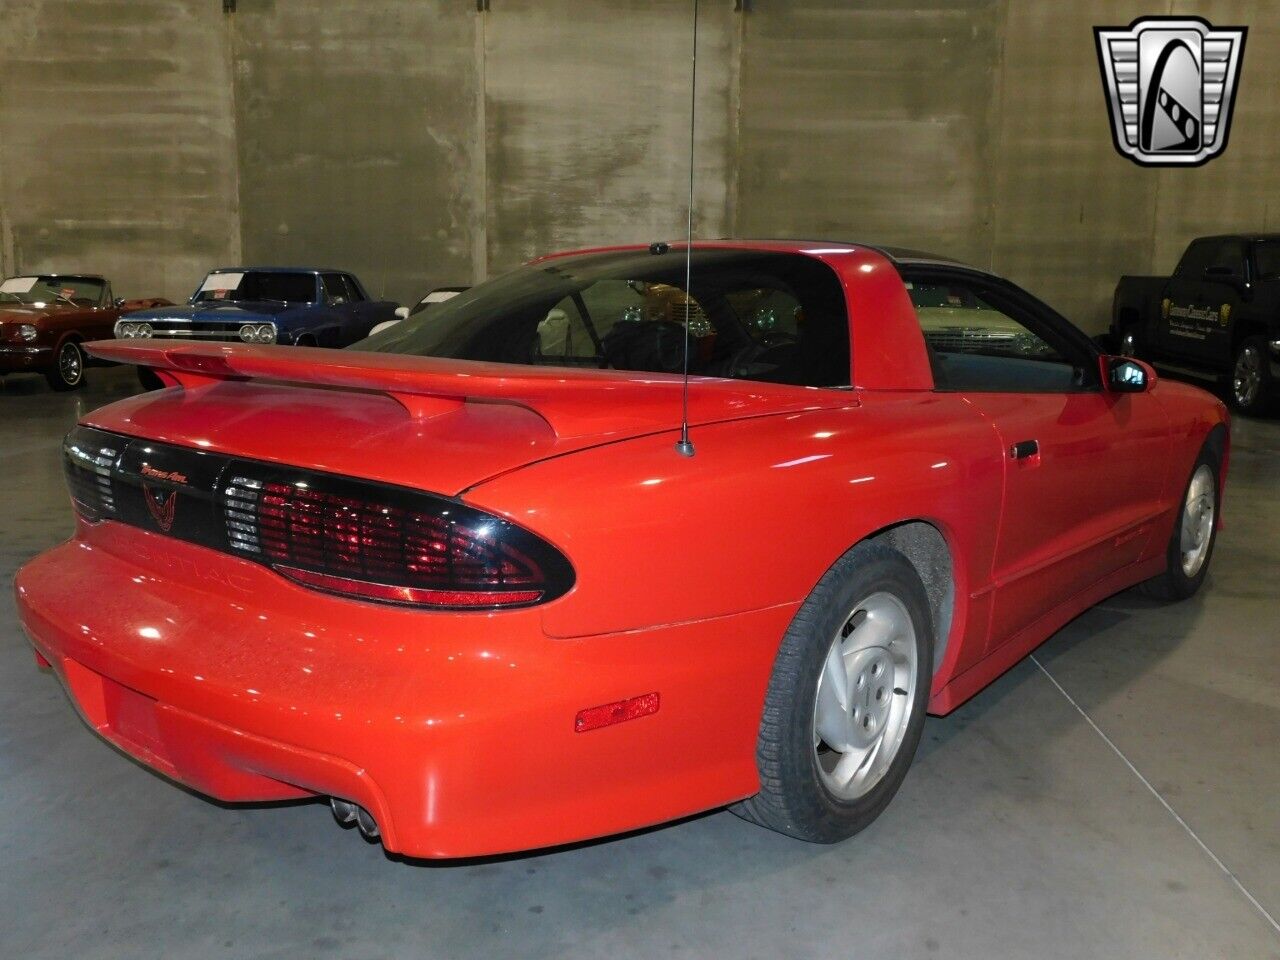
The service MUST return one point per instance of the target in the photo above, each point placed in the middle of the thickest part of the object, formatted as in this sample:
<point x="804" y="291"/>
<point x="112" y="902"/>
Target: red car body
<point x="456" y="730"/>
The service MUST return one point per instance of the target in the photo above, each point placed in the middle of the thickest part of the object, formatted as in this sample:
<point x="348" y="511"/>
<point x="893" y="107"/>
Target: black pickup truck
<point x="1218" y="316"/>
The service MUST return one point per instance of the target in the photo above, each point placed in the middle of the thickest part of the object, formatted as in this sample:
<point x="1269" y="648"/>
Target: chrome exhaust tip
<point x="344" y="811"/>
<point x="347" y="813"/>
<point x="368" y="826"/>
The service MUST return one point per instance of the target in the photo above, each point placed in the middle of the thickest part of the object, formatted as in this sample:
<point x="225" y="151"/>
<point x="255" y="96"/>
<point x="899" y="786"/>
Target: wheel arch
<point x="1246" y="328"/>
<point x="927" y="549"/>
<point x="1218" y="442"/>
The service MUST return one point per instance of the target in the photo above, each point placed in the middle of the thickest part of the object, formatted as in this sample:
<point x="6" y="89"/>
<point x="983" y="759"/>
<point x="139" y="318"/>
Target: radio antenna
<point x="684" y="446"/>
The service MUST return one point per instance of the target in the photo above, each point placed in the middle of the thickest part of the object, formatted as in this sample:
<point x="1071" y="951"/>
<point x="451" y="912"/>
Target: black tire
<point x="1249" y="386"/>
<point x="793" y="797"/>
<point x="67" y="372"/>
<point x="149" y="379"/>
<point x="1175" y="583"/>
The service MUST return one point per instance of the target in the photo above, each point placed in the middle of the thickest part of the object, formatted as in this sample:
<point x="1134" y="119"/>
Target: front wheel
<point x="1191" y="545"/>
<point x="68" y="367"/>
<point x="1252" y="389"/>
<point x="846" y="702"/>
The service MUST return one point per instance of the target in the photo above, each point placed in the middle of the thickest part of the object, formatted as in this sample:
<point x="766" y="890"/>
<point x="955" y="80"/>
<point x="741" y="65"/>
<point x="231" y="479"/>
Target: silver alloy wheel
<point x="70" y="364"/>
<point x="1197" y="520"/>
<point x="866" y="692"/>
<point x="1246" y="379"/>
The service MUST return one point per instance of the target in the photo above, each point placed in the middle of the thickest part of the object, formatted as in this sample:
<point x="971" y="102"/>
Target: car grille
<point x="198" y="329"/>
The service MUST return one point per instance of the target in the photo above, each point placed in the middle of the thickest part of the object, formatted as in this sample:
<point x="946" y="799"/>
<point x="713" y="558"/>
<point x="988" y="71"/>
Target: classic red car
<point x="46" y="318"/>
<point x="467" y="585"/>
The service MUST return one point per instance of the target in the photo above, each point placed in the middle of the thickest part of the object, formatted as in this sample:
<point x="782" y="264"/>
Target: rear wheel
<point x="68" y="367"/>
<point x="1252" y="390"/>
<point x="846" y="701"/>
<point x="1194" y="533"/>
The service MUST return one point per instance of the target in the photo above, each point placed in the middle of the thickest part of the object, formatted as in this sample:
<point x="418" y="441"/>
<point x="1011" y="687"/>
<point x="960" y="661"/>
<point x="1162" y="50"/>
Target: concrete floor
<point x="1019" y="832"/>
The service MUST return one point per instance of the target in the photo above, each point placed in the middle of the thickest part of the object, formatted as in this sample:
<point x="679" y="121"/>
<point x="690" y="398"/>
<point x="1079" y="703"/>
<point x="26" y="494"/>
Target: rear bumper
<point x="454" y="730"/>
<point x="25" y="359"/>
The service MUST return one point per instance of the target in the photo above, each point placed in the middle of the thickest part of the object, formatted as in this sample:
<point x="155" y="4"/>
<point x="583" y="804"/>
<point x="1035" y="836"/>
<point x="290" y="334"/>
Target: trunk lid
<point x="433" y="424"/>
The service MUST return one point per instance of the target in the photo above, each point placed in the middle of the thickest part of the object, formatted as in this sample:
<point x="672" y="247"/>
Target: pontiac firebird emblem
<point x="1170" y="84"/>
<point x="160" y="504"/>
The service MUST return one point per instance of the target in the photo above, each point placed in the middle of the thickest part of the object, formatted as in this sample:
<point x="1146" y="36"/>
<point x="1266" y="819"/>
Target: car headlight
<point x="128" y="330"/>
<point x="258" y="333"/>
<point x="27" y="331"/>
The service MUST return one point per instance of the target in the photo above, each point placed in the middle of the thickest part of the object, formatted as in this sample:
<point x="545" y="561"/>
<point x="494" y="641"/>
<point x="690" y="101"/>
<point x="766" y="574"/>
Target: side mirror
<point x="1126" y="375"/>
<point x="402" y="313"/>
<point x="119" y="302"/>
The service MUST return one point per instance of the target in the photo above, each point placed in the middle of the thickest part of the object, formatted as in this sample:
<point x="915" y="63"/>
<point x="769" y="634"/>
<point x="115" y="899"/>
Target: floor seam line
<point x="1236" y="882"/>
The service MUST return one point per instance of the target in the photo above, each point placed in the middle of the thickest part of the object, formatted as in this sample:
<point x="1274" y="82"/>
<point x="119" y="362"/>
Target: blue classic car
<point x="288" y="305"/>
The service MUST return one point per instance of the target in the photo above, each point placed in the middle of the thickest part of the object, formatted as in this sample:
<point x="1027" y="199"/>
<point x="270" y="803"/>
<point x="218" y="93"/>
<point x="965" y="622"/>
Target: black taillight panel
<point x="89" y="461"/>
<point x="342" y="535"/>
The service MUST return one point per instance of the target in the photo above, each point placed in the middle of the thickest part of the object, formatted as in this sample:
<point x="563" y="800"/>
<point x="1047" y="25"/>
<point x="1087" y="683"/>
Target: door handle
<point x="1024" y="449"/>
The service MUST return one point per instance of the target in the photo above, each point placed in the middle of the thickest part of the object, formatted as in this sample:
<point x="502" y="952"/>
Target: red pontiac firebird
<point x="462" y="581"/>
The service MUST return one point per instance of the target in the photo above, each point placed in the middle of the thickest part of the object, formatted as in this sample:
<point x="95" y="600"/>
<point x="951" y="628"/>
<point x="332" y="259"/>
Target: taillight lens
<point x="389" y="544"/>
<point x="88" y="458"/>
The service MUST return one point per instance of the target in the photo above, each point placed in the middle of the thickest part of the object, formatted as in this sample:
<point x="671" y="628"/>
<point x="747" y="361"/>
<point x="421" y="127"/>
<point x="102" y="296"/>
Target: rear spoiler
<point x="573" y="402"/>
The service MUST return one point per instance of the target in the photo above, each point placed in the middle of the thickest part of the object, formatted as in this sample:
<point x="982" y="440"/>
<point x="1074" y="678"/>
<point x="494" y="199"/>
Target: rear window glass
<point x="749" y="315"/>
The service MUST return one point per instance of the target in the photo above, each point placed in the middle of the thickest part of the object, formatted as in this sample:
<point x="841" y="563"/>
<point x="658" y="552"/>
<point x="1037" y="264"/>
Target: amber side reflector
<point x="608" y="714"/>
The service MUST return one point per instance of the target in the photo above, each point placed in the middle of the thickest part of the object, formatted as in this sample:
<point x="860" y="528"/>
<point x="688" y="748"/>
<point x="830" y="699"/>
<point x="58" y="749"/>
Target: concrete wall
<point x="117" y="144"/>
<point x="424" y="143"/>
<point x="587" y="123"/>
<point x="357" y="137"/>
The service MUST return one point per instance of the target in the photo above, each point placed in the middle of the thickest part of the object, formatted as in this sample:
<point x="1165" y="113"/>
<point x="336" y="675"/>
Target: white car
<point x="439" y="295"/>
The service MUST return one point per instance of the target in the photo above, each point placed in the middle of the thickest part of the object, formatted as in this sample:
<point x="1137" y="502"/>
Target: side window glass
<point x="977" y="345"/>
<point x="353" y="289"/>
<point x="1267" y="258"/>
<point x="955" y="319"/>
<point x="335" y="290"/>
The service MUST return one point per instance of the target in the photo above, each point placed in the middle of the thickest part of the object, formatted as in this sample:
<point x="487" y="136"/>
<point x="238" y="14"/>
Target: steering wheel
<point x="759" y="351"/>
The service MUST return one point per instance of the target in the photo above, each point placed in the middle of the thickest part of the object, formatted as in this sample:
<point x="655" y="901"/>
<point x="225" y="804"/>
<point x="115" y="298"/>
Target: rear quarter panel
<point x="756" y="517"/>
